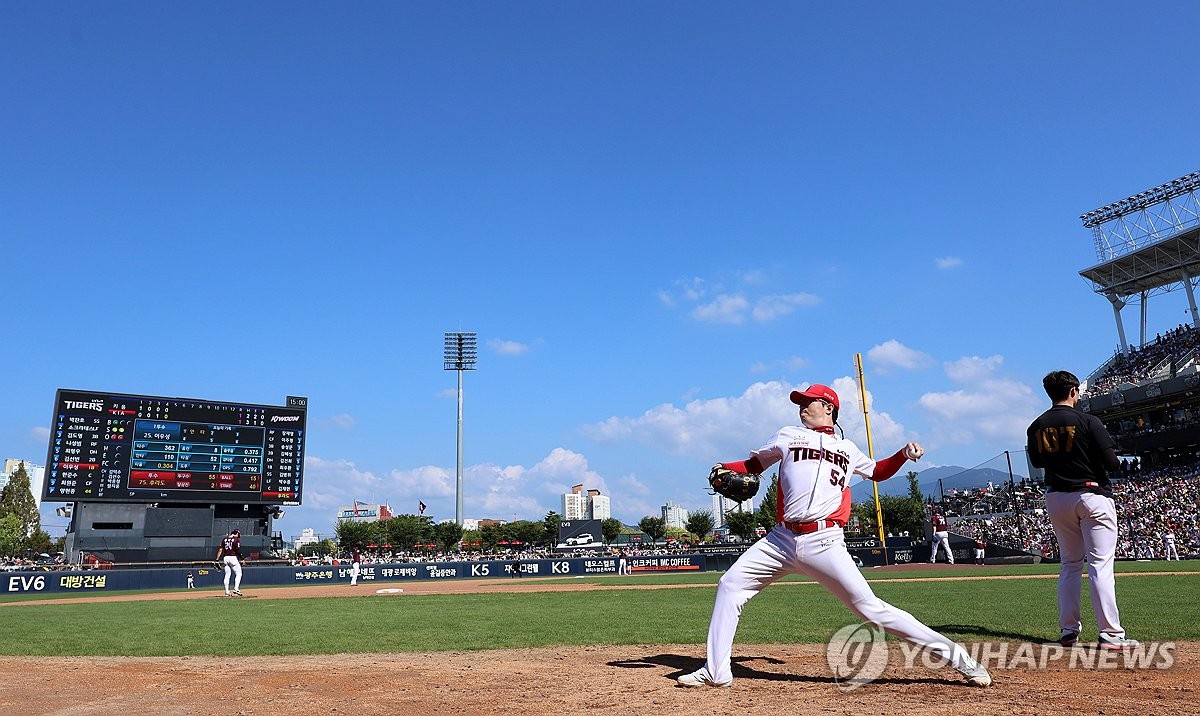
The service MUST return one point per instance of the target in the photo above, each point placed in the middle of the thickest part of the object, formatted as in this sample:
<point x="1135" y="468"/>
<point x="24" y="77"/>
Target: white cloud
<point x="723" y="309"/>
<point x="345" y="421"/>
<point x="947" y="262"/>
<point x="700" y="431"/>
<point x="788" y="365"/>
<point x="752" y="277"/>
<point x="987" y="406"/>
<point x="424" y="481"/>
<point x="769" y="308"/>
<point x="40" y="435"/>
<point x="796" y="363"/>
<point x="894" y="354"/>
<point x="632" y="486"/>
<point x="489" y="490"/>
<point x="887" y="434"/>
<point x="688" y="290"/>
<point x="973" y="368"/>
<point x="498" y="493"/>
<point x="726" y="428"/>
<point x="329" y="484"/>
<point x="709" y="303"/>
<point x="508" y="348"/>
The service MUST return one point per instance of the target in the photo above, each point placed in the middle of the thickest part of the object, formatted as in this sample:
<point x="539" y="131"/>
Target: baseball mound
<point x="770" y="679"/>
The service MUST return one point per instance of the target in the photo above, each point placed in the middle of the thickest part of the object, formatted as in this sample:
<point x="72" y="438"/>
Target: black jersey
<point x="1074" y="448"/>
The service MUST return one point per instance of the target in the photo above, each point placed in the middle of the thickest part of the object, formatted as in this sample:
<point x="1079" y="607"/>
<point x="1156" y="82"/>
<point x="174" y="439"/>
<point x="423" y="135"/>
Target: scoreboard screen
<point x="107" y="447"/>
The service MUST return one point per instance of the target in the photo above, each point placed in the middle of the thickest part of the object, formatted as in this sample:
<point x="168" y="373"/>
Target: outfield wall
<point x="868" y="551"/>
<point x="112" y="580"/>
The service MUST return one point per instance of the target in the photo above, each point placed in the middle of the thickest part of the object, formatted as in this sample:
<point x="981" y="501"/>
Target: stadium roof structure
<point x="1148" y="243"/>
<point x="1161" y="265"/>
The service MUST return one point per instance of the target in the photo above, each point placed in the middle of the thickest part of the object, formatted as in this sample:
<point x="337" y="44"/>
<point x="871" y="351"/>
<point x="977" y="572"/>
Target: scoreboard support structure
<point x="138" y="532"/>
<point x="166" y="533"/>
<point x="155" y="479"/>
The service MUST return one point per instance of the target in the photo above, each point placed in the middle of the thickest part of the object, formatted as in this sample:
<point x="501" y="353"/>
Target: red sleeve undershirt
<point x="888" y="466"/>
<point x="750" y="465"/>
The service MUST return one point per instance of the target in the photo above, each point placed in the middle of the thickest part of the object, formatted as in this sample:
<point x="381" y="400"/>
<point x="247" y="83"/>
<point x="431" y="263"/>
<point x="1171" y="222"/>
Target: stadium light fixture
<point x="461" y="352"/>
<point x="1137" y="202"/>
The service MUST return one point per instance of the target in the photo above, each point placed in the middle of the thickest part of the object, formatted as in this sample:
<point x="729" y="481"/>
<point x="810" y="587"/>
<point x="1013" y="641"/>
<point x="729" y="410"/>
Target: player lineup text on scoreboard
<point x="131" y="447"/>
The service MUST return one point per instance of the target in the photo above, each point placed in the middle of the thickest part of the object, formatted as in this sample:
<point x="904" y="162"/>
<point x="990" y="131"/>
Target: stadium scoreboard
<point x="110" y="447"/>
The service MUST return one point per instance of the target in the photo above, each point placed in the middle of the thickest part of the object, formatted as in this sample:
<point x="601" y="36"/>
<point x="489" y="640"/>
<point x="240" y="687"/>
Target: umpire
<point x="1078" y="453"/>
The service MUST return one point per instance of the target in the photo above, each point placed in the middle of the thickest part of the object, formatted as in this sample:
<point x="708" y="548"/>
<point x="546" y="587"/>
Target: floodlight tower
<point x="1147" y="244"/>
<point x="460" y="355"/>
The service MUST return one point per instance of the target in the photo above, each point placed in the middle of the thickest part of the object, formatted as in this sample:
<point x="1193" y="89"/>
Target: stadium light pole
<point x="460" y="354"/>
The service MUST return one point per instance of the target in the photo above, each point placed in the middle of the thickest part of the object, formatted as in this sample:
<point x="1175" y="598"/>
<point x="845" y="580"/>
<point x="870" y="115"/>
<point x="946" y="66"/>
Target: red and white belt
<point x="803" y="528"/>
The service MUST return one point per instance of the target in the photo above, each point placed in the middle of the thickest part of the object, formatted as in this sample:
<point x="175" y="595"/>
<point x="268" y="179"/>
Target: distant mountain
<point x="950" y="476"/>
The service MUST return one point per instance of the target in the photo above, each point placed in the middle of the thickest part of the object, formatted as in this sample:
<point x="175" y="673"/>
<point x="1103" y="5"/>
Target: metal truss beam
<point x="1142" y="219"/>
<point x="1159" y="267"/>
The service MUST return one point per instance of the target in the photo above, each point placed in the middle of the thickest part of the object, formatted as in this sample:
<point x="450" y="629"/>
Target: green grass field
<point x="1158" y="607"/>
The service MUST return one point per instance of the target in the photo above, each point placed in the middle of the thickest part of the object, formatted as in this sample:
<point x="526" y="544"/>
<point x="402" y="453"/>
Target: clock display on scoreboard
<point x="138" y="448"/>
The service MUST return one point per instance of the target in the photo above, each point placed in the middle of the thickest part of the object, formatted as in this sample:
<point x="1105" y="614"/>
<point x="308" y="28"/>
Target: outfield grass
<point x="1153" y="607"/>
<point x="941" y="570"/>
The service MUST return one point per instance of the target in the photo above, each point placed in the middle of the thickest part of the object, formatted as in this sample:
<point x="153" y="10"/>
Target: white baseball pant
<point x="232" y="566"/>
<point x="1086" y="527"/>
<point x="821" y="555"/>
<point x="941" y="539"/>
<point x="354" y="570"/>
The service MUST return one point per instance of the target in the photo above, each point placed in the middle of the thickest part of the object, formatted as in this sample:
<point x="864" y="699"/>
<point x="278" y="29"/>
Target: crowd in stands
<point x="498" y="555"/>
<point x="1150" y="505"/>
<point x="16" y="564"/>
<point x="1154" y="504"/>
<point x="1154" y="421"/>
<point x="1139" y="364"/>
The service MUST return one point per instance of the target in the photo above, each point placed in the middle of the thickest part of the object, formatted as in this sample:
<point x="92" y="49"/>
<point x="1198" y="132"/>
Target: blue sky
<point x="658" y="217"/>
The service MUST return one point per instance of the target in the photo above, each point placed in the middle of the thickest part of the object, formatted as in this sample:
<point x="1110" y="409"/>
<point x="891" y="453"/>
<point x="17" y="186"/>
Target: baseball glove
<point x="737" y="486"/>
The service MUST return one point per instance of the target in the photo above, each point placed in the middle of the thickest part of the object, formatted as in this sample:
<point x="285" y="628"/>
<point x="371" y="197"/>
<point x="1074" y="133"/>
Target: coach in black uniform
<point x="1077" y="454"/>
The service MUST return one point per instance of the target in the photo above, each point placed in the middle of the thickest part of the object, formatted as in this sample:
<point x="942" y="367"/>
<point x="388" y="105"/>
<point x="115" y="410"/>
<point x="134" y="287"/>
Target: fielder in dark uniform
<point x="1078" y="453"/>
<point x="230" y="557"/>
<point x="941" y="538"/>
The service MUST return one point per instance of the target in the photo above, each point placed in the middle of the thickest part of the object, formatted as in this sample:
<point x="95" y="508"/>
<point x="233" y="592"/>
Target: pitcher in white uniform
<point x="812" y="507"/>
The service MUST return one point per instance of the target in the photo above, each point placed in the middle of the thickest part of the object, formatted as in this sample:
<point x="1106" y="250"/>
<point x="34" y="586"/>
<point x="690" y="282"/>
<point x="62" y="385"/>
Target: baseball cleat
<point x="977" y="676"/>
<point x="228" y="594"/>
<point x="237" y="592"/>
<point x="701" y="678"/>
<point x="1117" y="643"/>
<point x="1068" y="637"/>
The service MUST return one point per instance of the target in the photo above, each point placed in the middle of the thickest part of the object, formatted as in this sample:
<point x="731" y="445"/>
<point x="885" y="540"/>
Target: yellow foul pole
<point x="862" y="394"/>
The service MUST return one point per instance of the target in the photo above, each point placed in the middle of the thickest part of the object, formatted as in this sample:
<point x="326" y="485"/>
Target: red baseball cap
<point x="816" y="391"/>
